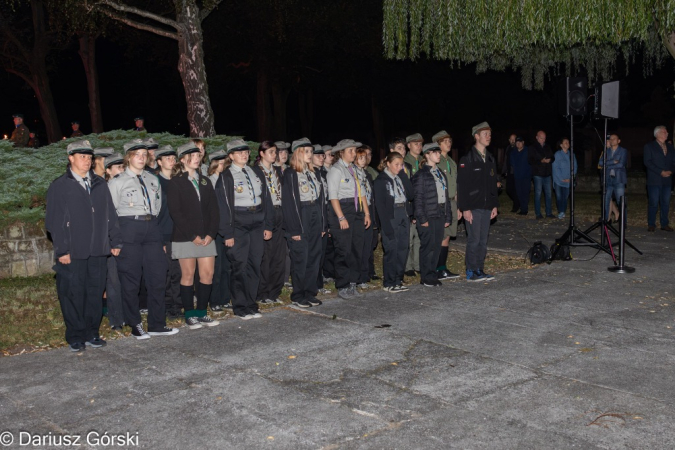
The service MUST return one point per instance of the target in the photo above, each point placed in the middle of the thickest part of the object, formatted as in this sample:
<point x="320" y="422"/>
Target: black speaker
<point x="609" y="100"/>
<point x="573" y="95"/>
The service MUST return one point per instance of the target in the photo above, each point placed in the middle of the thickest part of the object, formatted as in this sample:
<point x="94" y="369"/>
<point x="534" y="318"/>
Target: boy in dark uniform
<point x="75" y="125"/>
<point x="21" y="134"/>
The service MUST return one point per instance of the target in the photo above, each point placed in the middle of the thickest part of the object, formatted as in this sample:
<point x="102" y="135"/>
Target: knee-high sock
<point x="442" y="259"/>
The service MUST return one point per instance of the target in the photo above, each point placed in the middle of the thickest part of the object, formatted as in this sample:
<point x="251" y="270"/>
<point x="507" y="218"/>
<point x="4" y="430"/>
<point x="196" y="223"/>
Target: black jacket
<point x="426" y="197"/>
<point x="81" y="224"/>
<point x="477" y="182"/>
<point x="373" y="206"/>
<point x="164" y="218"/>
<point x="291" y="203"/>
<point x="384" y="200"/>
<point x="536" y="154"/>
<point x="225" y="196"/>
<point x="407" y="185"/>
<point x="191" y="216"/>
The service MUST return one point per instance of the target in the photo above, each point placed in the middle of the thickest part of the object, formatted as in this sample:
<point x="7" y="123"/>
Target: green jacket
<point x="20" y="136"/>
<point x="449" y="168"/>
<point x="414" y="163"/>
<point x="373" y="173"/>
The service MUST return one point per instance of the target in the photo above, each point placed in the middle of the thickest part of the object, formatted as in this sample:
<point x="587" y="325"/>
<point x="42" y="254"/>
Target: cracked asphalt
<point x="566" y="355"/>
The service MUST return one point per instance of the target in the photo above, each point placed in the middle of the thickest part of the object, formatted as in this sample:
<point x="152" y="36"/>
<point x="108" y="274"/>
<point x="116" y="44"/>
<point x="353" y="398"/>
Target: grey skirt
<point x="182" y="250"/>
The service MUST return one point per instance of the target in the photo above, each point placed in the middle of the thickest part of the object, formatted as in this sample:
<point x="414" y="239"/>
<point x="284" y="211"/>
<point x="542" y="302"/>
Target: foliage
<point x="27" y="173"/>
<point x="538" y="37"/>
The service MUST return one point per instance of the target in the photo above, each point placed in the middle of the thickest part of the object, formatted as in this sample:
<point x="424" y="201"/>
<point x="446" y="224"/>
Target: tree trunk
<point x="669" y="42"/>
<point x="88" y="55"/>
<point x="192" y="71"/>
<point x="279" y="108"/>
<point x="263" y="109"/>
<point x="38" y="75"/>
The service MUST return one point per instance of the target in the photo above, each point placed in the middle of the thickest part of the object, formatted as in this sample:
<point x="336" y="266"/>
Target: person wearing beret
<point x="75" y="126"/>
<point x="21" y="134"/>
<point x="413" y="159"/>
<point x="275" y="250"/>
<point x="318" y="165"/>
<point x="82" y="223"/>
<point x="245" y="223"/>
<point x="477" y="200"/>
<point x="139" y="124"/>
<point x="100" y="154"/>
<point x="304" y="223"/>
<point x="138" y="200"/>
<point x="194" y="211"/>
<point x="152" y="145"/>
<point x="433" y="212"/>
<point x="282" y="155"/>
<point x="348" y="218"/>
<point x="361" y="162"/>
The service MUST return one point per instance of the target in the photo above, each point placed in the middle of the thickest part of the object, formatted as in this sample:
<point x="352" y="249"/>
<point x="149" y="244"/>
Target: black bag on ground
<point x="538" y="253"/>
<point x="563" y="253"/>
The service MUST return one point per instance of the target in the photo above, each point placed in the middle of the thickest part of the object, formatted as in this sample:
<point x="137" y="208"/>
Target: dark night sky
<point x="138" y="76"/>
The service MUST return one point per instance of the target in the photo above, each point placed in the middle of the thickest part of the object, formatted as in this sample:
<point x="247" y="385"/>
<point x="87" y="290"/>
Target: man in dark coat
<point x="541" y="159"/>
<point x="659" y="159"/>
<point x="21" y="134"/>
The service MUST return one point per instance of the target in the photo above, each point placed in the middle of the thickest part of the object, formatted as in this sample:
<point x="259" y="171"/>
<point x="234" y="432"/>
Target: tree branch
<point x="140" y="26"/>
<point x="23" y="76"/>
<point x="12" y="38"/>
<point x="206" y="11"/>
<point x="140" y="12"/>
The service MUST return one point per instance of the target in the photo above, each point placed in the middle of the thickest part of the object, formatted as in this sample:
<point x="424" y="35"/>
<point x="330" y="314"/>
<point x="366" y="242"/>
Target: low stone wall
<point x="25" y="251"/>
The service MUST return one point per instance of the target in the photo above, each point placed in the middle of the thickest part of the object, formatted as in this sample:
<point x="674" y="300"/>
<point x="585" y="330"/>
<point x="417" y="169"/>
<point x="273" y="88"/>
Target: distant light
<point x="64" y="138"/>
<point x="5" y="137"/>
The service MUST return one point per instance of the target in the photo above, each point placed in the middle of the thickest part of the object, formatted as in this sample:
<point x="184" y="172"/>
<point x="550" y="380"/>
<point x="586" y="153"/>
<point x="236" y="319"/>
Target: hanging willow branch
<point x="534" y="36"/>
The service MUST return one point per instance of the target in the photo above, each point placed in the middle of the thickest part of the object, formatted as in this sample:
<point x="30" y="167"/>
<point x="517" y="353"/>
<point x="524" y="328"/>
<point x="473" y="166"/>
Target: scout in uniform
<point x="81" y="220"/>
<point x="138" y="200"/>
<point x="367" y="188"/>
<point x="432" y="211"/>
<point x="139" y="124"/>
<point x="194" y="210"/>
<point x="21" y="134"/>
<point x="348" y="217"/>
<point x="275" y="250"/>
<point x="112" y="300"/>
<point x="152" y="146"/>
<point x="372" y="176"/>
<point x="282" y="155"/>
<point x="318" y="162"/>
<point x="303" y="223"/>
<point x="100" y="154"/>
<point x="245" y="221"/>
<point x="75" y="125"/>
<point x="449" y="168"/>
<point x="413" y="159"/>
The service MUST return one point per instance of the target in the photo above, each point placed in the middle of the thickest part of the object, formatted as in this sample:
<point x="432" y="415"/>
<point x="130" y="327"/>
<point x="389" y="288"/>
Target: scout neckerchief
<point x="311" y="182"/>
<point x="274" y="189"/>
<point x="145" y="192"/>
<point x="250" y="184"/>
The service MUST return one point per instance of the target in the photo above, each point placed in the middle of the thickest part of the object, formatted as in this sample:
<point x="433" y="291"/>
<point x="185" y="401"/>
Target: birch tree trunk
<point x="87" y="53"/>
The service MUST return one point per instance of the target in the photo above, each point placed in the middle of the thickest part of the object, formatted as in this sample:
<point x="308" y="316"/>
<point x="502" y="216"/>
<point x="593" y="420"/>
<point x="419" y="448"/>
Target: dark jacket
<point x="536" y="154"/>
<point x="407" y="185"/>
<point x="477" y="182"/>
<point x="192" y="216"/>
<point x="373" y="206"/>
<point x="164" y="218"/>
<point x="225" y="196"/>
<point x="291" y="207"/>
<point x="520" y="165"/>
<point x="427" y="204"/>
<point x="384" y="200"/>
<point x="81" y="224"/>
<point x="656" y="162"/>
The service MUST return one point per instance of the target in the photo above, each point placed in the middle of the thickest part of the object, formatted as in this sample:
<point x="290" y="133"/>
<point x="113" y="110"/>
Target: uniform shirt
<point x="366" y="190"/>
<point x="81" y="180"/>
<point x="449" y="168"/>
<point x="341" y="182"/>
<point x="247" y="190"/>
<point x="214" y="179"/>
<point x="77" y="133"/>
<point x="398" y="191"/>
<point x="273" y="185"/>
<point x="414" y="163"/>
<point x="308" y="185"/>
<point x="20" y="136"/>
<point x="129" y="197"/>
<point x="441" y="183"/>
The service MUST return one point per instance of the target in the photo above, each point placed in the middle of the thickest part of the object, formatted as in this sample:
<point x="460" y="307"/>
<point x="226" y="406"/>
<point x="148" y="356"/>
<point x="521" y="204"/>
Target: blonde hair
<point x="297" y="162"/>
<point x="391" y="156"/>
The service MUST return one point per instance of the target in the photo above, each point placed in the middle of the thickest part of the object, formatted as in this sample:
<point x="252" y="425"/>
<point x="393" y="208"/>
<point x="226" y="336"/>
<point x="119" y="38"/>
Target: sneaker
<point x="192" y="323"/>
<point x="314" y="301"/>
<point x="364" y="286"/>
<point x="346" y="293"/>
<point x="279" y="301"/>
<point x="352" y="289"/>
<point x="174" y="313"/>
<point x="97" y="342"/>
<point x="540" y="217"/>
<point x="325" y="291"/>
<point x="245" y="316"/>
<point x="77" y="347"/>
<point x="485" y="276"/>
<point x="450" y="275"/>
<point x="139" y="333"/>
<point x="473" y="276"/>
<point x="218" y="308"/>
<point x="164" y="331"/>
<point x="304" y="303"/>
<point x="328" y="279"/>
<point x="256" y="315"/>
<point x="409" y="273"/>
<point x="266" y="301"/>
<point x="143" y="311"/>
<point x="227" y="306"/>
<point x="209" y="322"/>
<point x="561" y="216"/>
<point x="433" y="283"/>
<point x="395" y="289"/>
<point x="375" y="278"/>
<point x="550" y="216"/>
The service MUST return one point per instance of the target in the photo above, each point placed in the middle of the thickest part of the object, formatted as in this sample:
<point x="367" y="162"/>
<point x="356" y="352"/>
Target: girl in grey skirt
<point x="194" y="210"/>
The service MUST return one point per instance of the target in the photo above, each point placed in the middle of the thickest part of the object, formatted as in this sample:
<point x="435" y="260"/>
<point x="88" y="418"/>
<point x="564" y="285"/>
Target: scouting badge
<point x="492" y="172"/>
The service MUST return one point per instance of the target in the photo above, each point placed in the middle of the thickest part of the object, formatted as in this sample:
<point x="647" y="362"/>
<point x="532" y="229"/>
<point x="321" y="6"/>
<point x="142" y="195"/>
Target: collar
<point x="132" y="174"/>
<point x="391" y="175"/>
<point x="77" y="177"/>
<point x="236" y="168"/>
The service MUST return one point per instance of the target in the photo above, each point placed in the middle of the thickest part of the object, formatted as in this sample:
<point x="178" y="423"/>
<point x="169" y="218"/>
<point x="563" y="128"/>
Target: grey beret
<point x="440" y="136"/>
<point x="281" y="145"/>
<point x="318" y="150"/>
<point x="80" y="147"/>
<point x="414" y="138"/>
<point x="186" y="149"/>
<point x="134" y="144"/>
<point x="104" y="151"/>
<point x="218" y="154"/>
<point x="236" y="145"/>
<point x="138" y="118"/>
<point x="432" y="147"/>
<point x="151" y="143"/>
<point x="302" y="142"/>
<point x="113" y="159"/>
<point x="346" y="143"/>
<point x="165" y="150"/>
<point x="18" y="115"/>
<point x="480" y="127"/>
<point x="327" y="148"/>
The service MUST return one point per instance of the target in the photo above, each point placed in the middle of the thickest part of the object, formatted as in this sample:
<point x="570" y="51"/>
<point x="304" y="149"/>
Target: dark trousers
<point x="658" y="196"/>
<point x="523" y="187"/>
<point x="511" y="191"/>
<point x="348" y="244"/>
<point x="328" y="266"/>
<point x="430" y="246"/>
<point x="142" y="253"/>
<point x="371" y="259"/>
<point x="80" y="287"/>
<point x="172" y="298"/>
<point x="366" y="255"/>
<point x="319" y="277"/>
<point x="113" y="293"/>
<point x="306" y="254"/>
<point x="273" y="261"/>
<point x="396" y="248"/>
<point x="222" y="273"/>
<point x="245" y="258"/>
<point x="477" y="237"/>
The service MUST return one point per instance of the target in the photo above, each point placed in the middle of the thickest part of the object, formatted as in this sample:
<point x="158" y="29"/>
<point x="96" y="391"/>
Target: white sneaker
<point x="246" y="317"/>
<point x="256" y="315"/>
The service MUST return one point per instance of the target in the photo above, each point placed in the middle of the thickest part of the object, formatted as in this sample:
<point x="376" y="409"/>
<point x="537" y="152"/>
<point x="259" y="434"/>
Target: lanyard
<point x="145" y="192"/>
<point x="311" y="181"/>
<point x="440" y="177"/>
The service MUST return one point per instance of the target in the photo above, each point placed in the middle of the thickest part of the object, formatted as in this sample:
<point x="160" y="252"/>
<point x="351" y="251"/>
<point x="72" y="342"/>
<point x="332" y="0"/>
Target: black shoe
<point x="375" y="278"/>
<point x="409" y="273"/>
<point x="164" y="331"/>
<point x="514" y="209"/>
<point x="139" y="333"/>
<point x="540" y="217"/>
<point x="77" y="347"/>
<point x="97" y="342"/>
<point x="304" y="303"/>
<point x="550" y="216"/>
<point x="314" y="301"/>
<point x="484" y="276"/>
<point x="218" y="308"/>
<point x="174" y="313"/>
<point x="521" y="213"/>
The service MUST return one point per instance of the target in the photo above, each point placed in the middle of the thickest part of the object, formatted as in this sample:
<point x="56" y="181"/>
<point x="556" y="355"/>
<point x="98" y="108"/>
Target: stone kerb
<point x="25" y="251"/>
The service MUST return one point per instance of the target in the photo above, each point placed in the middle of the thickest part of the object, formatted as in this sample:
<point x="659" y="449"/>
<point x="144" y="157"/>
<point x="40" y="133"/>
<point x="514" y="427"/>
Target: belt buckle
<point x="252" y="208"/>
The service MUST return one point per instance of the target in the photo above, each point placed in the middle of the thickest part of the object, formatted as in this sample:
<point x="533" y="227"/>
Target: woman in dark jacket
<point x="304" y="222"/>
<point x="391" y="198"/>
<point x="194" y="211"/>
<point x="433" y="212"/>
<point x="361" y="162"/>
